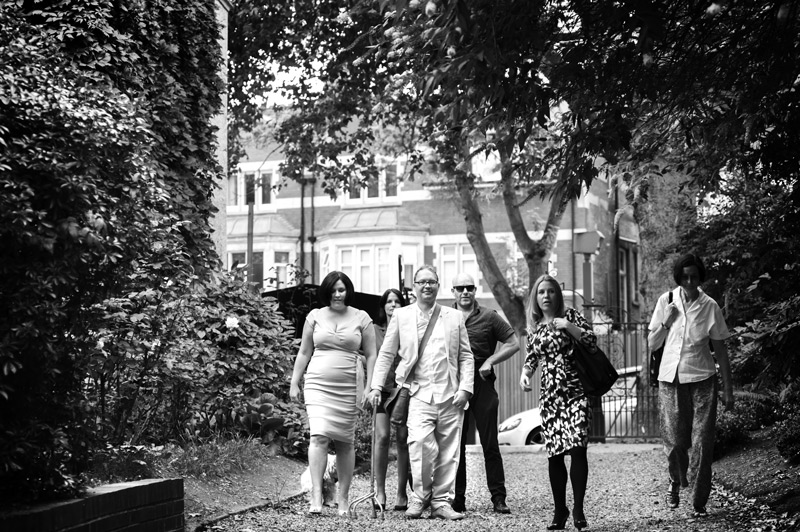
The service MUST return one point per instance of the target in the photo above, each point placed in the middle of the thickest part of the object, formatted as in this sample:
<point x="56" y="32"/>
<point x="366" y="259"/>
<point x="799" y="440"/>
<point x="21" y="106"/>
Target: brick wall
<point x="143" y="506"/>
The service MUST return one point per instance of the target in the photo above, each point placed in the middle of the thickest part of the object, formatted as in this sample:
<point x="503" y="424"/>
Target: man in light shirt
<point x="687" y="380"/>
<point x="440" y="380"/>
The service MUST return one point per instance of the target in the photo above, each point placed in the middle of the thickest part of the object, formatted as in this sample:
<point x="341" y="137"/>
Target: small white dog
<point x="330" y="482"/>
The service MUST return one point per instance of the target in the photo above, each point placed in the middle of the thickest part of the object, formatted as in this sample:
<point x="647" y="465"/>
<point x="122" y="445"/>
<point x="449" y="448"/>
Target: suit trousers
<point x="434" y="433"/>
<point x="483" y="408"/>
<point x="687" y="416"/>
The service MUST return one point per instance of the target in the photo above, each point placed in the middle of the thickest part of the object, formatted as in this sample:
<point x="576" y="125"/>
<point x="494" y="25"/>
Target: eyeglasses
<point x="426" y="283"/>
<point x="468" y="287"/>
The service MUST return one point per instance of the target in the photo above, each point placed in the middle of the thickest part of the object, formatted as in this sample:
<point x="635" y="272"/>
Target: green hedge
<point x="107" y="169"/>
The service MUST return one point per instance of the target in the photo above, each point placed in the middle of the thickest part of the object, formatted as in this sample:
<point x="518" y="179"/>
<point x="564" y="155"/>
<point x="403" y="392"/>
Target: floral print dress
<point x="563" y="405"/>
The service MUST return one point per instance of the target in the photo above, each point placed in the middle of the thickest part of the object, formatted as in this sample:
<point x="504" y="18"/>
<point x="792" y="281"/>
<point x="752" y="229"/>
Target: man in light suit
<point x="440" y="382"/>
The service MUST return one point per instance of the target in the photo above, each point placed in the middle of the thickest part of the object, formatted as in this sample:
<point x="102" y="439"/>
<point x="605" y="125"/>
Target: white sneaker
<point x="446" y="511"/>
<point x="416" y="507"/>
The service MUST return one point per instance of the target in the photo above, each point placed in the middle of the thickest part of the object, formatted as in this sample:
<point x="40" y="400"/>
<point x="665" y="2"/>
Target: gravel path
<point x="625" y="493"/>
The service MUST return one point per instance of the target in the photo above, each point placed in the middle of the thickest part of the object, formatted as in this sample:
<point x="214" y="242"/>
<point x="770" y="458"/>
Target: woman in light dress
<point x="333" y="391"/>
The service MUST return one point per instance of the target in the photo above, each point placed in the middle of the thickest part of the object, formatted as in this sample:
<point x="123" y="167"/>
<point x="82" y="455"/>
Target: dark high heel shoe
<point x="559" y="520"/>
<point x="579" y="519"/>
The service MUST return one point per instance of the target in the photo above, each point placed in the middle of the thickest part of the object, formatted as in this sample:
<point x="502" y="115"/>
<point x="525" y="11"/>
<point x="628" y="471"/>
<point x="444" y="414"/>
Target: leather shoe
<point x="673" y="495"/>
<point x="459" y="506"/>
<point x="500" y="506"/>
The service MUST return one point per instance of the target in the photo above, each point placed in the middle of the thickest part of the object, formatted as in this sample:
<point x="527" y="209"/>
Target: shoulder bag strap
<point x="665" y="340"/>
<point x="424" y="341"/>
<point x="670" y="301"/>
<point x="428" y="330"/>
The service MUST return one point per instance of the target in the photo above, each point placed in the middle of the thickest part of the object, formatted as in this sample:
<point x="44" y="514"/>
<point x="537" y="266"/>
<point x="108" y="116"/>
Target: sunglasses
<point x="469" y="287"/>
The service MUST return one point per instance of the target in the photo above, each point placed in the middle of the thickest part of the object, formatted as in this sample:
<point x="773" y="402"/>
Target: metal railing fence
<point x="630" y="409"/>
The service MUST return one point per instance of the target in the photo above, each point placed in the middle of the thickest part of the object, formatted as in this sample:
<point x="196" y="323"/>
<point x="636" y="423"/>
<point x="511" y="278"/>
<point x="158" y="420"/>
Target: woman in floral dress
<point x="552" y="332"/>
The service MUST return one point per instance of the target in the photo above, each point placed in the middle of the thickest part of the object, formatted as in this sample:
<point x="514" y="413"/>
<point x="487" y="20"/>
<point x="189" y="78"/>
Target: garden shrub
<point x="107" y="167"/>
<point x="215" y="457"/>
<point x="188" y="361"/>
<point x="294" y="436"/>
<point x="752" y="411"/>
<point x="756" y="410"/>
<point x="363" y="443"/>
<point x="789" y="400"/>
<point x="123" y="463"/>
<point x="788" y="438"/>
<point x="730" y="432"/>
<point x="787" y="432"/>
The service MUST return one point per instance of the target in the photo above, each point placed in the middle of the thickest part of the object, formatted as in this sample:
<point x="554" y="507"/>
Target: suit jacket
<point x="401" y="340"/>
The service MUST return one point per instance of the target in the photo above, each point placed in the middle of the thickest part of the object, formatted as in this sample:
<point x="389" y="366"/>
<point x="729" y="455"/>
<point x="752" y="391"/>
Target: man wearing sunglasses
<point x="492" y="341"/>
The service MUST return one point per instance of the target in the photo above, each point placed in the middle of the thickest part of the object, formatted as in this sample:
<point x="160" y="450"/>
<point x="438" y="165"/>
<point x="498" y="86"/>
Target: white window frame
<point x="382" y="197"/>
<point x="362" y="263"/>
<point x="463" y="260"/>
<point x="628" y="276"/>
<point x="623" y="282"/>
<point x="262" y="282"/>
<point x="274" y="269"/>
<point x="240" y="190"/>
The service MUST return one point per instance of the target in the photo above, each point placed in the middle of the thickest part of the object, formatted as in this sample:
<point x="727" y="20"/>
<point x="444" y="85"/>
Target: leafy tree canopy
<point x="649" y="89"/>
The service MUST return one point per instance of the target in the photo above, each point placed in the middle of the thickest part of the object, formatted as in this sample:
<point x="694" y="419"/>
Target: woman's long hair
<point x="382" y="319"/>
<point x="534" y="313"/>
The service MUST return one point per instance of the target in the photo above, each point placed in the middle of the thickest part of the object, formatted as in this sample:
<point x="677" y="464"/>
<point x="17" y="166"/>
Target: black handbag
<point x="396" y="405"/>
<point x="595" y="371"/>
<point x="655" y="358"/>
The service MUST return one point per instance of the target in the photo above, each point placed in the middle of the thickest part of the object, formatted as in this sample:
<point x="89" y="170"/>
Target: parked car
<point x="619" y="405"/>
<point x="524" y="428"/>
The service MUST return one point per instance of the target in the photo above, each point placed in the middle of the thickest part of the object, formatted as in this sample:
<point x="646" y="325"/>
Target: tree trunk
<point x="512" y="305"/>
<point x="536" y="252"/>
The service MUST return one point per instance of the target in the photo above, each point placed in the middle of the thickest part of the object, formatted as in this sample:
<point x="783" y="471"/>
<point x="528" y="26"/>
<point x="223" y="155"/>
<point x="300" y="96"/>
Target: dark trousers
<point x="483" y="408"/>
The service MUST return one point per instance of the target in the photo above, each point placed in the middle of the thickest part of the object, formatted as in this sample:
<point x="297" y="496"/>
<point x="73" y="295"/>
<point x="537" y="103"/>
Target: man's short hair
<point x="428" y="267"/>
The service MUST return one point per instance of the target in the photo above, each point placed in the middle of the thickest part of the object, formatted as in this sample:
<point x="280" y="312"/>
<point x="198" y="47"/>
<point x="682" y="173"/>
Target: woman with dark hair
<point x="687" y="379"/>
<point x="552" y="332"/>
<point x="390" y="300"/>
<point x="334" y="381"/>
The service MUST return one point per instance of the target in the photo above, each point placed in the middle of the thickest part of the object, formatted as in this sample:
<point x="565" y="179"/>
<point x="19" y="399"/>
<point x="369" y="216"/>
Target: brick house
<point x="381" y="234"/>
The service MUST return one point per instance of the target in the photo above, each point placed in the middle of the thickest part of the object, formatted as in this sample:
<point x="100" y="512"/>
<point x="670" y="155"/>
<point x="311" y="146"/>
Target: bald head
<point x="463" y="279"/>
<point x="464" y="291"/>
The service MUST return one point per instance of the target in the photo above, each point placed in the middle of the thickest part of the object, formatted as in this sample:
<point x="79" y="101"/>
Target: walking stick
<point x="372" y="496"/>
